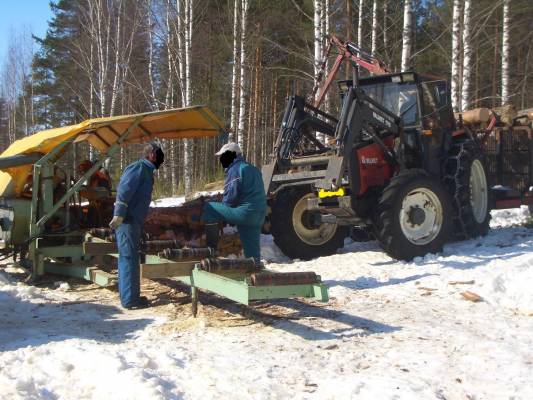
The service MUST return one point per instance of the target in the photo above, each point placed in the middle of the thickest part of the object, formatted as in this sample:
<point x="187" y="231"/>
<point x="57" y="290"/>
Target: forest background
<point x="243" y="58"/>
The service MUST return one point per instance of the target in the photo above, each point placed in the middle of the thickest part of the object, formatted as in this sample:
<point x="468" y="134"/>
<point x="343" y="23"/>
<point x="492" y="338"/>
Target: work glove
<point x="116" y="222"/>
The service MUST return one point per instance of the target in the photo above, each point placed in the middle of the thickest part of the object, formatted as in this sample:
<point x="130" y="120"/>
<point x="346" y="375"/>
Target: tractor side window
<point x="435" y="96"/>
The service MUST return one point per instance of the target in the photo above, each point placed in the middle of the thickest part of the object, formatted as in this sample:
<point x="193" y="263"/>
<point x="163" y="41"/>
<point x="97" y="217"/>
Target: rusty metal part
<point x="155" y="246"/>
<point x="187" y="254"/>
<point x="230" y="264"/>
<point x="284" y="278"/>
<point x="101" y="233"/>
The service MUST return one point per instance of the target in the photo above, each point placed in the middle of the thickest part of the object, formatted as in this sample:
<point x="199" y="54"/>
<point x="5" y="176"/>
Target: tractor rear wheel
<point x="411" y="219"/>
<point x="466" y="180"/>
<point x="295" y="231"/>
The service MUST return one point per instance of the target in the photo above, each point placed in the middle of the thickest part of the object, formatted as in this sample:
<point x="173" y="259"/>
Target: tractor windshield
<point x="398" y="98"/>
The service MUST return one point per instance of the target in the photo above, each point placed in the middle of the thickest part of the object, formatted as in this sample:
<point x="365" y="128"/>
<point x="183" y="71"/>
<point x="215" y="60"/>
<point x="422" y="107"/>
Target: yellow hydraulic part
<point x="322" y="194"/>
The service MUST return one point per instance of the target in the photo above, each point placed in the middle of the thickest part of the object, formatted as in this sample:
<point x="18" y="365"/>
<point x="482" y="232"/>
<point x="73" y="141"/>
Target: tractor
<point x="395" y="165"/>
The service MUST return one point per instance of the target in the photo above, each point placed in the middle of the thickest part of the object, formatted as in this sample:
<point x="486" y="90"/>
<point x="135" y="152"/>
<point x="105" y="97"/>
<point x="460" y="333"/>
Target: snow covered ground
<point x="392" y="330"/>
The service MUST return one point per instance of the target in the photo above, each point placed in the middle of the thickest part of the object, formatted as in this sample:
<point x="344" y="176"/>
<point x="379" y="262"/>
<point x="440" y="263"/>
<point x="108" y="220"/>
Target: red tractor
<point x="395" y="164"/>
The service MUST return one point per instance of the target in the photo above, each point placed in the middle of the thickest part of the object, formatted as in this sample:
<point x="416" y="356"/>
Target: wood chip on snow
<point x="471" y="296"/>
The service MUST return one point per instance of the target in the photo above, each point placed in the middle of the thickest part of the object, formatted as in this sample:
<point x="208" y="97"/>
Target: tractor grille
<point x="509" y="158"/>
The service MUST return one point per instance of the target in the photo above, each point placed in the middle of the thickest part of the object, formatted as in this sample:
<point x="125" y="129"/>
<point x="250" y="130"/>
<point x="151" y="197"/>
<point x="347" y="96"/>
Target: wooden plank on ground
<point x="167" y="270"/>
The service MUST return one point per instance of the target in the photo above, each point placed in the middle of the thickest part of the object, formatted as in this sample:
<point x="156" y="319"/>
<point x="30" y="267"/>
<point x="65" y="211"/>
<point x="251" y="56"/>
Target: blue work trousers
<point x="248" y="222"/>
<point x="129" y="280"/>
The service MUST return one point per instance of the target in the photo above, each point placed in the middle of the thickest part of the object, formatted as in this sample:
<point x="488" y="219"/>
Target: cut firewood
<point x="471" y="296"/>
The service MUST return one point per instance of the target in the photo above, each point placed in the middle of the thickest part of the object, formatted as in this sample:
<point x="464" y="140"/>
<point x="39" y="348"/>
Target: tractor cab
<point x="423" y="104"/>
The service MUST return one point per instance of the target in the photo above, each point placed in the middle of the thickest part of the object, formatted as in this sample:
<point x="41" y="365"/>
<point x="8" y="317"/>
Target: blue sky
<point x="20" y="15"/>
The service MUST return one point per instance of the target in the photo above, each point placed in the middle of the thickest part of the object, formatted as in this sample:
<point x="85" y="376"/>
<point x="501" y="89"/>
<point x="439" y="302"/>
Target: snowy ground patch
<point x="392" y="330"/>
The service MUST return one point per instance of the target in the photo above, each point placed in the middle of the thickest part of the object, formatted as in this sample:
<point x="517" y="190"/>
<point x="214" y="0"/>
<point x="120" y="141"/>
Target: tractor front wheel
<point x="412" y="217"/>
<point x="295" y="231"/>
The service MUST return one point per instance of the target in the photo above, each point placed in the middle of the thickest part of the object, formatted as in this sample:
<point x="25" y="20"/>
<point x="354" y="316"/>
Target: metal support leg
<point x="194" y="301"/>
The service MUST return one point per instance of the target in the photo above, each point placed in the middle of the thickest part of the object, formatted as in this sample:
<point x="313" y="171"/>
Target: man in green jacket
<point x="243" y="203"/>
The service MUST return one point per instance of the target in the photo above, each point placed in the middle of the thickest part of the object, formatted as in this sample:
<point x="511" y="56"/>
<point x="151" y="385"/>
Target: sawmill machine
<point x="395" y="164"/>
<point x="55" y="223"/>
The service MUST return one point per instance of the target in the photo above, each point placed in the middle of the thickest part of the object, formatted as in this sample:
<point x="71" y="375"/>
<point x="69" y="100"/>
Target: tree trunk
<point x="360" y="24"/>
<point x="234" y="78"/>
<point x="188" y="144"/>
<point x="318" y="37"/>
<point x="349" y="22"/>
<point x="385" y="31"/>
<point x="407" y="35"/>
<point x="243" y="94"/>
<point x="374" y="27"/>
<point x="506" y="49"/>
<point x="456" y="56"/>
<point x="467" y="56"/>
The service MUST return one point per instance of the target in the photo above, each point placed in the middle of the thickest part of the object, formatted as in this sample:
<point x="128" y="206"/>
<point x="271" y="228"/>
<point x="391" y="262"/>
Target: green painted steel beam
<point x="91" y="274"/>
<point x="226" y="287"/>
<point x="61" y="251"/>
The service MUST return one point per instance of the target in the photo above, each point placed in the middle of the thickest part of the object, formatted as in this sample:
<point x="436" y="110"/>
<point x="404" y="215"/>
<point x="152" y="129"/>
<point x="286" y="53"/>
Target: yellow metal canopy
<point x="102" y="133"/>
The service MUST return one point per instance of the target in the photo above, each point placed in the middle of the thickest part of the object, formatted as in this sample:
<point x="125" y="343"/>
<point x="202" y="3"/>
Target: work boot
<point x="211" y="235"/>
<point x="143" y="302"/>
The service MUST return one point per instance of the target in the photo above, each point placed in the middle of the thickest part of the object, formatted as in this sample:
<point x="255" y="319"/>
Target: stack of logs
<point x="506" y="116"/>
<point x="181" y="226"/>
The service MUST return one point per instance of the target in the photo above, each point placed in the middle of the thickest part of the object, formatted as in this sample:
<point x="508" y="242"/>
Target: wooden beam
<point x="167" y="270"/>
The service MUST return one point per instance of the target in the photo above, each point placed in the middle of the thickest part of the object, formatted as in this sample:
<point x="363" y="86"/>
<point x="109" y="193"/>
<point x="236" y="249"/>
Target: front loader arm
<point x="361" y="117"/>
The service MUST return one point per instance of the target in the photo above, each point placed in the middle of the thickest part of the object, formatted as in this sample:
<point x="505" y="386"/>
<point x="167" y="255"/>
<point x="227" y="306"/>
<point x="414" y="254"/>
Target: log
<point x="506" y="114"/>
<point x="477" y="116"/>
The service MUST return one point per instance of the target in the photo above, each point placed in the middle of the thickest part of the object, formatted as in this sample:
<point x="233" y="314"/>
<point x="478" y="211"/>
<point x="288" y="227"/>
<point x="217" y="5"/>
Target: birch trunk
<point x="181" y="49"/>
<point x="234" y="78"/>
<point x="243" y="93"/>
<point x="374" y="27"/>
<point x="407" y="35"/>
<point x="324" y="35"/>
<point x="360" y="24"/>
<point x="385" y="30"/>
<point x="114" y="91"/>
<point x="318" y="37"/>
<point x="170" y="88"/>
<point x="467" y="56"/>
<point x="505" y="52"/>
<point x="153" y="102"/>
<point x="456" y="56"/>
<point x="187" y="145"/>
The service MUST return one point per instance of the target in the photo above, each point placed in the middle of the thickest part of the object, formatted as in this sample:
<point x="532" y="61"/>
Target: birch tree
<point x="243" y="92"/>
<point x="360" y="24"/>
<point x="407" y="34"/>
<point x="467" y="56"/>
<point x="234" y="72"/>
<point x="374" y="27"/>
<point x="505" y="51"/>
<point x="385" y="27"/>
<point x="317" y="37"/>
<point x="188" y="145"/>
<point x="456" y="56"/>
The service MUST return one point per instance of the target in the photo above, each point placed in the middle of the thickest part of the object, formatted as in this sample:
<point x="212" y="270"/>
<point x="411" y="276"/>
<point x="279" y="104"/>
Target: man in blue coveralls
<point x="243" y="203"/>
<point x="134" y="194"/>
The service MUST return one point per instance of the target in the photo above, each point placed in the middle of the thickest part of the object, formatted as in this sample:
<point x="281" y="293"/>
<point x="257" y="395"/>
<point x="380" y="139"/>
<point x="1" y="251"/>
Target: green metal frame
<point x="239" y="289"/>
<point x="42" y="209"/>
